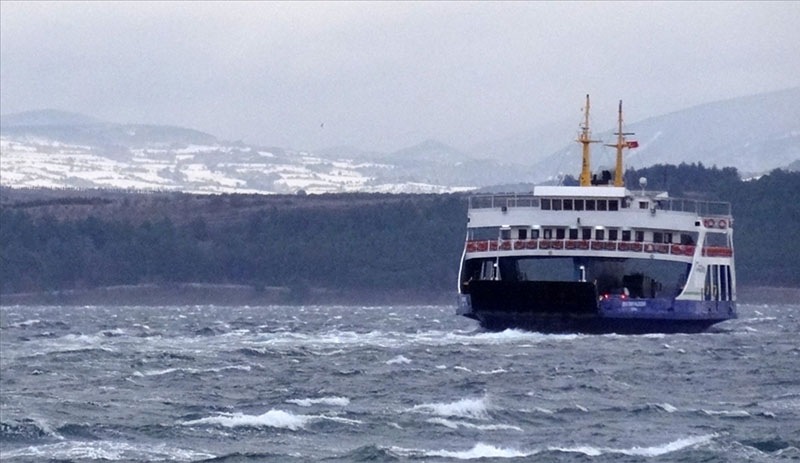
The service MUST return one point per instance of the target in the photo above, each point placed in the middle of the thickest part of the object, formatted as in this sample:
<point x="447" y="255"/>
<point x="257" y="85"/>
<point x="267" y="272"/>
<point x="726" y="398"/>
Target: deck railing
<point x="478" y="246"/>
<point x="513" y="200"/>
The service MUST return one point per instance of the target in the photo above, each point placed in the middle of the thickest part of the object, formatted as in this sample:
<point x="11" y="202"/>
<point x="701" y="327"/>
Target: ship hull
<point x="574" y="307"/>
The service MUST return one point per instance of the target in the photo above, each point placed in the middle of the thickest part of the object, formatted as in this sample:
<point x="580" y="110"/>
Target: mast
<point x="585" y="139"/>
<point x="621" y="143"/>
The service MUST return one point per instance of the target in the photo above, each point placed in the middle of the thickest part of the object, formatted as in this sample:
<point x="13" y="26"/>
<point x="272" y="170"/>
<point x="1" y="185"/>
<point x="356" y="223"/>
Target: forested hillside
<point x="57" y="240"/>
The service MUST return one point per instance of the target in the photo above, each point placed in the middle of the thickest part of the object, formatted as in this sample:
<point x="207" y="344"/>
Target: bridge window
<point x="546" y="204"/>
<point x="602" y="205"/>
<point x="567" y="204"/>
<point x="613" y="205"/>
<point x="590" y="205"/>
<point x="484" y="233"/>
<point x="643" y="204"/>
<point x="556" y="204"/>
<point x="578" y="204"/>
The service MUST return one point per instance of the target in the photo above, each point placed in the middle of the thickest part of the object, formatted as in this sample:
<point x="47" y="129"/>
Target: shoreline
<point x="223" y="294"/>
<point x="231" y="294"/>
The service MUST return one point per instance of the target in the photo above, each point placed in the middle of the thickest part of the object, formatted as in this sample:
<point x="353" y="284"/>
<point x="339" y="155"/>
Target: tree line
<point x="355" y="242"/>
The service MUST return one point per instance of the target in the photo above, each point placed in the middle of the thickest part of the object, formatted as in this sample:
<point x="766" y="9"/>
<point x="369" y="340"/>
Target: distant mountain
<point x="73" y="128"/>
<point x="46" y="117"/>
<point x="66" y="150"/>
<point x="755" y="134"/>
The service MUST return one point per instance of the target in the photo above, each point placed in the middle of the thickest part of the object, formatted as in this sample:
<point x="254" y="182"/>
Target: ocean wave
<point x="106" y="451"/>
<point x="483" y="450"/>
<point x="652" y="451"/>
<point x="465" y="424"/>
<point x="272" y="419"/>
<point x="25" y="430"/>
<point x="336" y="401"/>
<point x="727" y="413"/>
<point x="195" y="371"/>
<point x="464" y="408"/>
<point x="398" y="360"/>
<point x="477" y="452"/>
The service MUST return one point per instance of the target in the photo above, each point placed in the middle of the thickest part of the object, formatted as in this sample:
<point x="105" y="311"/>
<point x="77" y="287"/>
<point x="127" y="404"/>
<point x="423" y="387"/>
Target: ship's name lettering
<point x="634" y="304"/>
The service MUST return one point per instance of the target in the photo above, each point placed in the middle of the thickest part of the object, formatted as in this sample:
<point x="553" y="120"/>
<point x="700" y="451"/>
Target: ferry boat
<point x="598" y="257"/>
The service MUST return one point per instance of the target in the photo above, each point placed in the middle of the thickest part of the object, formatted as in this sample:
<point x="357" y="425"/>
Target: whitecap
<point x="728" y="413"/>
<point x="465" y="424"/>
<point x="653" y="451"/>
<point x="106" y="451"/>
<point x="479" y="451"/>
<point x="669" y="408"/>
<point x="272" y="418"/>
<point x="398" y="359"/>
<point x="465" y="408"/>
<point x="337" y="401"/>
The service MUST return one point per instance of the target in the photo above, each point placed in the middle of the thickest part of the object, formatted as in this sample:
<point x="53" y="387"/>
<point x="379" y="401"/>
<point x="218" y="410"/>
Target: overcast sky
<point x="387" y="75"/>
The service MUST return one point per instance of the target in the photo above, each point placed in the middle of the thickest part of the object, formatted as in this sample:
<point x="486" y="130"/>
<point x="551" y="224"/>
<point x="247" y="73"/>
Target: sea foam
<point x="464" y="408"/>
<point x="272" y="418"/>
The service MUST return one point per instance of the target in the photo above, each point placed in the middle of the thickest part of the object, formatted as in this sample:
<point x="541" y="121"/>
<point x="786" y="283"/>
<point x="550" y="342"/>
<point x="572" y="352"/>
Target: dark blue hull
<point x="569" y="307"/>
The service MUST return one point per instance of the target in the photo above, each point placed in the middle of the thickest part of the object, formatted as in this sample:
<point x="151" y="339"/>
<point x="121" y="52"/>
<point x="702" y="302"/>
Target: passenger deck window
<point x="658" y="237"/>
<point x="548" y="233"/>
<point x="612" y="234"/>
<point x="560" y="233"/>
<point x="586" y="233"/>
<point x="573" y="233"/>
<point x="535" y="234"/>
<point x="626" y="235"/>
<point x="599" y="234"/>
<point x="522" y="234"/>
<point x="640" y="236"/>
<point x="505" y="234"/>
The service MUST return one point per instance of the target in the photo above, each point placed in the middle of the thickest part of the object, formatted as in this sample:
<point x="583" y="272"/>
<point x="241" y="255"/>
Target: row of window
<point x="553" y="204"/>
<point x="600" y="234"/>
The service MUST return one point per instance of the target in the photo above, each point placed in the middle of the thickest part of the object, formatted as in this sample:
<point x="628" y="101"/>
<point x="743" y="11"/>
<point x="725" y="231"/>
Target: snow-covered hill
<point x="57" y="149"/>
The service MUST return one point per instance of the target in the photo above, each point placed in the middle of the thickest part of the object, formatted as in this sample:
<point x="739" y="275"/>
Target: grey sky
<point x="387" y="75"/>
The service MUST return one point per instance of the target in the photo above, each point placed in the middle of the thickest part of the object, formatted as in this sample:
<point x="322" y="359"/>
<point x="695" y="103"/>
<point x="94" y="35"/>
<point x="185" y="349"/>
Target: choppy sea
<point x="386" y="384"/>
